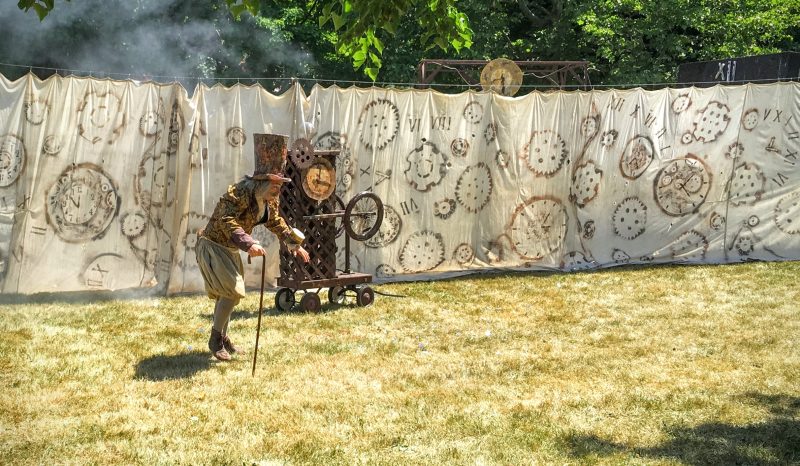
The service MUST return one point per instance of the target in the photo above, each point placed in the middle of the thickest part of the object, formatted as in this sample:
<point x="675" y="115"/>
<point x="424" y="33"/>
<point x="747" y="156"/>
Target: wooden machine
<point x="309" y="204"/>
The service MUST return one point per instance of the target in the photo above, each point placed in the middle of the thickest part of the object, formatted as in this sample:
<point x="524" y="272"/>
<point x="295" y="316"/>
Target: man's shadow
<point x="774" y="442"/>
<point x="172" y="366"/>
<point x="245" y="313"/>
<point x="177" y="366"/>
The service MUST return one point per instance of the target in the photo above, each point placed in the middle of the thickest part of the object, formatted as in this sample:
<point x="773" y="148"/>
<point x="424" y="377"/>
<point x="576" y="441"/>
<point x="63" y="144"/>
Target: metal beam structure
<point x="557" y="73"/>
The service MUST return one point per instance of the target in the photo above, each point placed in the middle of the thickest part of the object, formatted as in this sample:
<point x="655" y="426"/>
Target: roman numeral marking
<point x="780" y="180"/>
<point x="409" y="207"/>
<point x="441" y="123"/>
<point x="382" y="176"/>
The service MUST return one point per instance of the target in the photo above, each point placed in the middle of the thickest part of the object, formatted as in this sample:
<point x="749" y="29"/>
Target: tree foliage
<point x="41" y="7"/>
<point x="625" y="41"/>
<point x="362" y="25"/>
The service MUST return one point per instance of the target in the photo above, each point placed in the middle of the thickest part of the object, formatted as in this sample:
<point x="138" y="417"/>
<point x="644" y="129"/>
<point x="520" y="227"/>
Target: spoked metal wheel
<point x="365" y="296"/>
<point x="363" y="216"/>
<point x="310" y="302"/>
<point x="339" y="223"/>
<point x="284" y="299"/>
<point x="336" y="295"/>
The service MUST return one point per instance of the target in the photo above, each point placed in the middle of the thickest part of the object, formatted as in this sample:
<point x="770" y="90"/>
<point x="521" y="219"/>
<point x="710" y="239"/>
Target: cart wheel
<point x="336" y="295"/>
<point x="310" y="302"/>
<point x="363" y="216"/>
<point x="365" y="296"/>
<point x="284" y="299"/>
<point x="338" y="222"/>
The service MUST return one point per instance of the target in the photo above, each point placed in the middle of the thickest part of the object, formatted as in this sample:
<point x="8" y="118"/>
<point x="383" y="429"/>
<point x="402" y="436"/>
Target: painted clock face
<point x="81" y="203"/>
<point x="12" y="159"/>
<point x="319" y="179"/>
<point x="681" y="187"/>
<point x="154" y="182"/>
<point x="389" y="230"/>
<point x="150" y="123"/>
<point x="538" y="227"/>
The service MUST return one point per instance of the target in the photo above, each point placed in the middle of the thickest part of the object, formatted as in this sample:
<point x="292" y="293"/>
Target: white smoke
<point x="144" y="39"/>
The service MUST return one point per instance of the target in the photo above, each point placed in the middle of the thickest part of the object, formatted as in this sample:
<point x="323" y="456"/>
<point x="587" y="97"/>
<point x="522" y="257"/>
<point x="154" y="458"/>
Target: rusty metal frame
<point x="556" y="72"/>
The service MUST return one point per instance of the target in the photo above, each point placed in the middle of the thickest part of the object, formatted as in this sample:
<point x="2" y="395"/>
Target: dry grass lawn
<point x="659" y="365"/>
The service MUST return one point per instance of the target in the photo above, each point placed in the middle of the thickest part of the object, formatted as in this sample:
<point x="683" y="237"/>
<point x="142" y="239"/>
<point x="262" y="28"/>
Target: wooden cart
<point x="309" y="204"/>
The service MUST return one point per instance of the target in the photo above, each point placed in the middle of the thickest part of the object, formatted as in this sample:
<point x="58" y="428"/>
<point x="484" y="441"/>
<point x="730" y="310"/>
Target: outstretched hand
<point x="302" y="253"/>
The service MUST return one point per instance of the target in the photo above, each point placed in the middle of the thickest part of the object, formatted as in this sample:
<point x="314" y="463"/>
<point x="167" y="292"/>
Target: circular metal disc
<point x="501" y="75"/>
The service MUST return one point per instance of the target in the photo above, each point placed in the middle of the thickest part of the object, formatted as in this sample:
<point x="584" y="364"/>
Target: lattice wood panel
<point x="320" y="234"/>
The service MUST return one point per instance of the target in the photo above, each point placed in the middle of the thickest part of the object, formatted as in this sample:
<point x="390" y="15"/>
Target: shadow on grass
<point x="240" y="313"/>
<point x="171" y="367"/>
<point x="81" y="297"/>
<point x="773" y="442"/>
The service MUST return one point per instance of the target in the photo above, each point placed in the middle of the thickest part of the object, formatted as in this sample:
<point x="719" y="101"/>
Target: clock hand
<point x="683" y="188"/>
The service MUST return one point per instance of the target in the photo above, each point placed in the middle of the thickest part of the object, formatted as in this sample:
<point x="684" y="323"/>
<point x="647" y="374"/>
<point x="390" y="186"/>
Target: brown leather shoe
<point x="228" y="344"/>
<point x="217" y="347"/>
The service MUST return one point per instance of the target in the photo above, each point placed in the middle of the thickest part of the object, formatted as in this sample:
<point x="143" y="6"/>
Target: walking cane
<point x="260" y="308"/>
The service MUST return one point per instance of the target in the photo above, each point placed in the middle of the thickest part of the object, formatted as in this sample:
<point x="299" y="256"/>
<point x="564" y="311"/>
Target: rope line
<point x="95" y="74"/>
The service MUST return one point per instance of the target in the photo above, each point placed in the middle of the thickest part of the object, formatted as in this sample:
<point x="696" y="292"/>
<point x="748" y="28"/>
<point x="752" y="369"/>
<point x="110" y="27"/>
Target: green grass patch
<point x="660" y="365"/>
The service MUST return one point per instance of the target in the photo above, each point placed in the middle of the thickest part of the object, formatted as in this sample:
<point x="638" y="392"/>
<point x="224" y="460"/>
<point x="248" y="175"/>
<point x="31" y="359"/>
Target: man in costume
<point x="250" y="202"/>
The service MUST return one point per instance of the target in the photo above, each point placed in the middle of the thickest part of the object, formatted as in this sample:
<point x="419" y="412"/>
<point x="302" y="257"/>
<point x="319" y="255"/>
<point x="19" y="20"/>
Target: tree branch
<point x="535" y="21"/>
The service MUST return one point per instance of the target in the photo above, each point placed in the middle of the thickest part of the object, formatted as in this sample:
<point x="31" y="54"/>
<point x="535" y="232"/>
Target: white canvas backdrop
<point x="104" y="184"/>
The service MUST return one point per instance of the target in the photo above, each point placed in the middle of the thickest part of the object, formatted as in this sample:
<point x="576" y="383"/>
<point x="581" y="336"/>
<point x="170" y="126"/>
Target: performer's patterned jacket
<point x="236" y="214"/>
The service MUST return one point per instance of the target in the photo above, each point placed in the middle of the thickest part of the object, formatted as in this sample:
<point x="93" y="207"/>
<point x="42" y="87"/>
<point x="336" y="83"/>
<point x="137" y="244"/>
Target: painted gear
<point x="630" y="218"/>
<point x="545" y="153"/>
<point x="711" y="122"/>
<point x="690" y="247"/>
<point x="681" y="103"/>
<point x="464" y="254"/>
<point x="423" y="251"/>
<point x="444" y="208"/>
<point x="747" y="185"/>
<point x="576" y="260"/>
<point x="425" y="166"/>
<point x="787" y="213"/>
<point x="236" y="136"/>
<point x="473" y="112"/>
<point x="379" y="122"/>
<point x="474" y="187"/>
<point x="585" y="183"/>
<point x="459" y="147"/>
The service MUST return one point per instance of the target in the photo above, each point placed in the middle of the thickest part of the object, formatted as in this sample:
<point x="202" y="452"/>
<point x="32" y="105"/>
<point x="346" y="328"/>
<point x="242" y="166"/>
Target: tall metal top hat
<point x="270" y="154"/>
